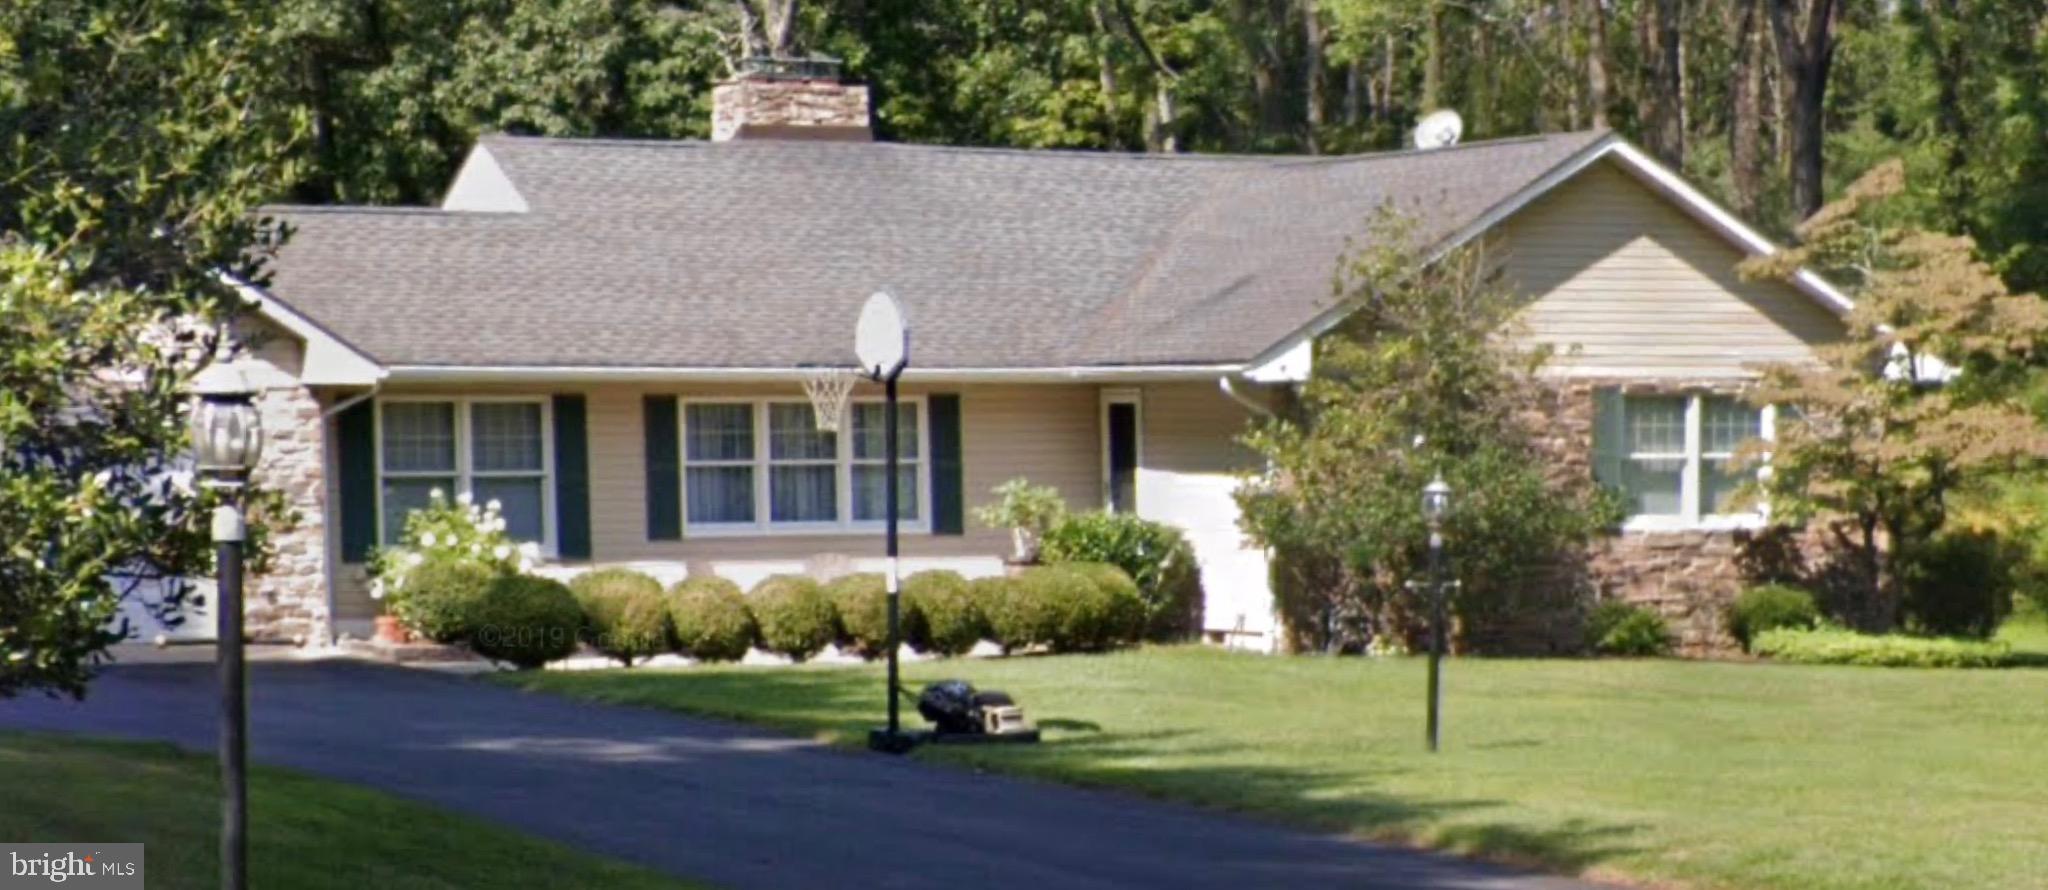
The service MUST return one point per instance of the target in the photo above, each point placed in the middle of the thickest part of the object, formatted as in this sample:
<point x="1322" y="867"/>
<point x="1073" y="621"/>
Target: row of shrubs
<point x="528" y="621"/>
<point x="1784" y="623"/>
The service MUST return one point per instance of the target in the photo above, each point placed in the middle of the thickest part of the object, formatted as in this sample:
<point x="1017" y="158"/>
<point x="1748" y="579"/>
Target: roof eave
<point x="466" y="374"/>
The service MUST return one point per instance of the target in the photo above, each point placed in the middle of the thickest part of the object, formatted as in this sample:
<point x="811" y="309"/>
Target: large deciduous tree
<point x="1423" y="377"/>
<point x="1915" y="404"/>
<point x="135" y="140"/>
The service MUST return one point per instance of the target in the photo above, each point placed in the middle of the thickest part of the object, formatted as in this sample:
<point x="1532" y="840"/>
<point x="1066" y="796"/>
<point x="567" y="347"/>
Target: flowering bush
<point x="449" y="531"/>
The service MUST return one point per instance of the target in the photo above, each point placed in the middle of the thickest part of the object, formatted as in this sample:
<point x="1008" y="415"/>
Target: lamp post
<point x="227" y="438"/>
<point x="1436" y="507"/>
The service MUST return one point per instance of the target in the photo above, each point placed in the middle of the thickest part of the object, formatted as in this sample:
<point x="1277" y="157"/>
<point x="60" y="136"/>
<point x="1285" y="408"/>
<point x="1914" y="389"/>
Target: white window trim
<point x="1691" y="519"/>
<point x="843" y="461"/>
<point x="1121" y="395"/>
<point x="463" y="475"/>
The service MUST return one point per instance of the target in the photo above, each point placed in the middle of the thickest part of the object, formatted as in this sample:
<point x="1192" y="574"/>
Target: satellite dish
<point x="881" y="340"/>
<point x="1439" y="129"/>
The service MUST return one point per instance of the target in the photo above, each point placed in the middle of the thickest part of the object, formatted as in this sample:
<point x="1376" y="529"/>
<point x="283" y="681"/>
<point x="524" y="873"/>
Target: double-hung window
<point x="1671" y="457"/>
<point x="752" y="466"/>
<point x="490" y="449"/>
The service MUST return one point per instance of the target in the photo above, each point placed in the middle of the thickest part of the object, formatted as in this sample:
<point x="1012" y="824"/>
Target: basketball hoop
<point x="828" y="389"/>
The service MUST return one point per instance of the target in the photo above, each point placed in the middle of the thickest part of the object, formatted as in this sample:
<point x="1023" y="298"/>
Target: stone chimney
<point x="790" y="99"/>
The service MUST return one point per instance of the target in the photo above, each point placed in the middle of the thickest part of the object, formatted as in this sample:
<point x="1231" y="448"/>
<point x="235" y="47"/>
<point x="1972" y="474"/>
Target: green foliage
<point x="1959" y="583"/>
<point x="1871" y="447"/>
<point x="711" y="619"/>
<point x="440" y="597"/>
<point x="1838" y="646"/>
<point x="950" y="620"/>
<point x="625" y="615"/>
<point x="1769" y="607"/>
<point x="1419" y="380"/>
<point x="1617" y="628"/>
<point x="1077" y="607"/>
<point x="862" y="601"/>
<point x="1155" y="555"/>
<point x="525" y="620"/>
<point x="445" y="530"/>
<point x="135" y="142"/>
<point x="1018" y="618"/>
<point x="1027" y="511"/>
<point x="795" y="617"/>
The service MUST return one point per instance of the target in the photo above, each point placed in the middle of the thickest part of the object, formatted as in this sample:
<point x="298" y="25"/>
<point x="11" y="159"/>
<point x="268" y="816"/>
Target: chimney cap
<point x="789" y="68"/>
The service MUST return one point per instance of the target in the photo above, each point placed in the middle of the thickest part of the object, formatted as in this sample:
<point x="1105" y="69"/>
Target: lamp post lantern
<point x="227" y="439"/>
<point x="882" y="343"/>
<point x="1436" y="507"/>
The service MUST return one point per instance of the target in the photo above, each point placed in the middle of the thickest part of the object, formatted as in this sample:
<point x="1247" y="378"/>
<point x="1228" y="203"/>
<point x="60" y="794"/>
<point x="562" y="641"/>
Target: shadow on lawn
<point x="841" y="706"/>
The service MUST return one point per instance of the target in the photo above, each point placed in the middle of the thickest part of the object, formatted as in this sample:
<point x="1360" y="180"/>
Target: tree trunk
<point x="1354" y="93"/>
<point x="1312" y="74"/>
<point x="1941" y="26"/>
<point x="1433" y="66"/>
<point x="1389" y="71"/>
<point x="1804" y="31"/>
<point x="1745" y="114"/>
<point x="1658" y="38"/>
<point x="1105" y="68"/>
<point x="1597" y="84"/>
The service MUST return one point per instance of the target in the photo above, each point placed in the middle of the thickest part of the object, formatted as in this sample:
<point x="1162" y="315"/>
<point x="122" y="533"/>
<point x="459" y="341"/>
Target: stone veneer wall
<point x="785" y="107"/>
<point x="288" y="601"/>
<point x="1690" y="577"/>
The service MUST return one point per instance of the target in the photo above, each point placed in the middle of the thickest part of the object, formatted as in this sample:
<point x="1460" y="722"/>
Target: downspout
<point x="1229" y="388"/>
<point x="329" y="452"/>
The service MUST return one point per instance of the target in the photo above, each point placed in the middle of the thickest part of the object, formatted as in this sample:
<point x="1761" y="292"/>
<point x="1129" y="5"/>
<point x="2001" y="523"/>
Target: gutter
<point x="652" y="374"/>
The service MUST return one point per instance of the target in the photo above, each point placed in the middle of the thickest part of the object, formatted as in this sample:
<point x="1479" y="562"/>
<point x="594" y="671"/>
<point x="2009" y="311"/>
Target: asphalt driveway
<point x="735" y="806"/>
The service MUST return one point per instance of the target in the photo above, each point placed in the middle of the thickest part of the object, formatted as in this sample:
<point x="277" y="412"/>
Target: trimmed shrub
<point x="1118" y="615"/>
<point x="1078" y="613"/>
<point x="1156" y="556"/>
<point x="795" y="617"/>
<point x="624" y="614"/>
<point x="862" y="601"/>
<point x="1018" y="618"/>
<point x="950" y="621"/>
<point x="711" y="619"/>
<point x="1769" y="607"/>
<point x="1615" y="628"/>
<point x="1837" y="646"/>
<point x="1960" y="583"/>
<point x="439" y="598"/>
<point x="525" y="620"/>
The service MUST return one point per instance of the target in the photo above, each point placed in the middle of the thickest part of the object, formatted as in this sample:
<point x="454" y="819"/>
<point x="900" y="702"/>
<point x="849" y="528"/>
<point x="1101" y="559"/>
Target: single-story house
<point x="608" y="337"/>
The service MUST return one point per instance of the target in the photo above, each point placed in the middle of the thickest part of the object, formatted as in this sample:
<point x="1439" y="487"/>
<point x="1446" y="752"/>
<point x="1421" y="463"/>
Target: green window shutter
<point x="664" y="471"/>
<point x="355" y="432"/>
<point x="572" y="477"/>
<point x="1610" y="436"/>
<point x="948" y="493"/>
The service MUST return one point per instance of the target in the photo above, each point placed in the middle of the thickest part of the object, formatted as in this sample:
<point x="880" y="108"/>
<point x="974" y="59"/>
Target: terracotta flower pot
<point x="389" y="630"/>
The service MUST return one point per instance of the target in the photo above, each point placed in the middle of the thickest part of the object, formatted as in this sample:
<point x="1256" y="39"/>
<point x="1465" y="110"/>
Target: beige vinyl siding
<point x="1047" y="433"/>
<point x="1625" y="284"/>
<point x="1192" y="428"/>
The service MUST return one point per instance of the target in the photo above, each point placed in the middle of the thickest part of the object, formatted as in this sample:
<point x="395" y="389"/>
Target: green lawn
<point x="1697" y="773"/>
<point x="304" y="833"/>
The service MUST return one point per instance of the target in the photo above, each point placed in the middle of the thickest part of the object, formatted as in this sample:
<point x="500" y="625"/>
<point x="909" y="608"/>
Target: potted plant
<point x="1025" y="509"/>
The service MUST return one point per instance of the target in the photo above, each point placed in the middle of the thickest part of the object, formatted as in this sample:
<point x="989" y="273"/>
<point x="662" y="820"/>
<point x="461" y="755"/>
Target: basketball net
<point x="828" y="389"/>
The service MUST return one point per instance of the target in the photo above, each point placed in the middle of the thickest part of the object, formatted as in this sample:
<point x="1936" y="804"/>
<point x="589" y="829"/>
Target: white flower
<point x="377" y="589"/>
<point x="413" y="558"/>
<point x="476" y="549"/>
<point x="427" y="539"/>
<point x="435" y="493"/>
<point x="463" y="499"/>
<point x="501" y="552"/>
<point x="494" y="506"/>
<point x="530" y="550"/>
<point x="497" y="524"/>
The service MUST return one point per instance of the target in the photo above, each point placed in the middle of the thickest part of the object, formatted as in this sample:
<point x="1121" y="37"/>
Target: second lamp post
<point x="1436" y="507"/>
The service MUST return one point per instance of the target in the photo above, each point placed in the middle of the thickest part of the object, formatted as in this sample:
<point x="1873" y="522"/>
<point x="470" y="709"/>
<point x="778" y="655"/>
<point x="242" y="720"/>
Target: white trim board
<point x="763" y="374"/>
<point x="329" y="360"/>
<point x="1634" y="161"/>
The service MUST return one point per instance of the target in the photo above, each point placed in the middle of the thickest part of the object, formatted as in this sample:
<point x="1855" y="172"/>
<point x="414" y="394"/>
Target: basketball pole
<point x="895" y="583"/>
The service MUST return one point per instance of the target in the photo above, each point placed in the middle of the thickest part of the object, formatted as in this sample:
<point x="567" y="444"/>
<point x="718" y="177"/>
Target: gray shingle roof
<point x="758" y="254"/>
